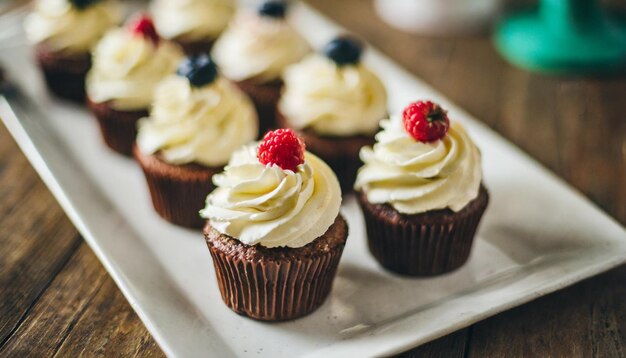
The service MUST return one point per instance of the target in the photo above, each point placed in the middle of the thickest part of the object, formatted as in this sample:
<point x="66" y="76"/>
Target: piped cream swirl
<point x="65" y="28"/>
<point x="333" y="100"/>
<point x="272" y="207"/>
<point x="416" y="177"/>
<point x="127" y="67"/>
<point x="203" y="125"/>
<point x="192" y="19"/>
<point x="258" y="47"/>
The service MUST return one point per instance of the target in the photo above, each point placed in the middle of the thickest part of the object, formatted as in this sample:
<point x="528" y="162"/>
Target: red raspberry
<point x="282" y="147"/>
<point x="425" y="121"/>
<point x="144" y="26"/>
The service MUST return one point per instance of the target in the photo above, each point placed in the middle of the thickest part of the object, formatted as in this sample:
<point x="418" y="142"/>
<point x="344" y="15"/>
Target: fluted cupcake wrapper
<point x="178" y="192"/>
<point x="274" y="290"/>
<point x="265" y="98"/>
<point x="64" y="76"/>
<point x="118" y="128"/>
<point x="408" y="246"/>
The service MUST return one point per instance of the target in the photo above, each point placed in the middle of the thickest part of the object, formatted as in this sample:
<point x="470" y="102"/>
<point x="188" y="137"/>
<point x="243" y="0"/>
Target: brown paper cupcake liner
<point x="340" y="153"/>
<point x="265" y="98"/>
<point x="118" y="128"/>
<point x="178" y="192"/>
<point x="64" y="75"/>
<point x="424" y="244"/>
<point x="276" y="284"/>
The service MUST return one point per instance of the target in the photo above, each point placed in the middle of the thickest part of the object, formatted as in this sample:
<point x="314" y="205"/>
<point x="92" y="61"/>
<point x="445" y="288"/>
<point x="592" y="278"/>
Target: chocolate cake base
<point x="64" y="74"/>
<point x="118" y="128"/>
<point x="178" y="191"/>
<point x="276" y="284"/>
<point x="425" y="244"/>
<point x="265" y="98"/>
<point x="195" y="47"/>
<point x="340" y="153"/>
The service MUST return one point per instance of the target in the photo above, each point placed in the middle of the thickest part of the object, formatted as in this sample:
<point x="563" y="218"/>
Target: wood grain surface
<point x="57" y="300"/>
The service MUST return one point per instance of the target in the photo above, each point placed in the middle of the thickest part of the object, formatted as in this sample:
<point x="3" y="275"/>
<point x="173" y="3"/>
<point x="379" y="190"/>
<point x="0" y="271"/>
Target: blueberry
<point x="275" y="9"/>
<point x="344" y="50"/>
<point x="82" y="4"/>
<point x="200" y="70"/>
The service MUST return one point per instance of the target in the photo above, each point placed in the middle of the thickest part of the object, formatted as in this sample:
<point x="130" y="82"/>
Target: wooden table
<point x="56" y="299"/>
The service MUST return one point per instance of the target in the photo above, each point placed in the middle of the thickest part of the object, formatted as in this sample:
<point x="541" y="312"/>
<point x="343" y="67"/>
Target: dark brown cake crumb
<point x="426" y="244"/>
<point x="194" y="47"/>
<point x="64" y="74"/>
<point x="334" y="237"/>
<point x="178" y="192"/>
<point x="118" y="128"/>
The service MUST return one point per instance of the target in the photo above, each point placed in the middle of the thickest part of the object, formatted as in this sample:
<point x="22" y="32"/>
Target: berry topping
<point x="344" y="50"/>
<point x="83" y="4"/>
<point x="282" y="147"/>
<point x="425" y="121"/>
<point x="275" y="9"/>
<point x="200" y="70"/>
<point x="143" y="25"/>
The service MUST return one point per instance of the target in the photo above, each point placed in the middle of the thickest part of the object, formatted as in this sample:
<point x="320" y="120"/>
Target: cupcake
<point x="63" y="33"/>
<point x="197" y="121"/>
<point x="128" y="64"/>
<point x="421" y="192"/>
<point x="253" y="52"/>
<point x="336" y="103"/>
<point x="274" y="229"/>
<point x="193" y="24"/>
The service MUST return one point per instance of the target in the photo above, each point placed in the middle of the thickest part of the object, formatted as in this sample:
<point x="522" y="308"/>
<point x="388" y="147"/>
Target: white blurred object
<point x="438" y="17"/>
<point x="12" y="13"/>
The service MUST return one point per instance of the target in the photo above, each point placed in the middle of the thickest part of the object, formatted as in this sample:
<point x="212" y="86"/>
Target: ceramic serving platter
<point x="538" y="235"/>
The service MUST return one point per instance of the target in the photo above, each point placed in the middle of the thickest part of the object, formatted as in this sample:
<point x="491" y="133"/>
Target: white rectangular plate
<point x="538" y="236"/>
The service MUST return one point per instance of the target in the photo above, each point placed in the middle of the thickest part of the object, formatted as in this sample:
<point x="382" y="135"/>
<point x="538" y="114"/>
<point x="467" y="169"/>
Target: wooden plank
<point x="36" y="237"/>
<point x="81" y="313"/>
<point x="109" y="327"/>
<point x="56" y="312"/>
<point x="586" y="320"/>
<point x="450" y="346"/>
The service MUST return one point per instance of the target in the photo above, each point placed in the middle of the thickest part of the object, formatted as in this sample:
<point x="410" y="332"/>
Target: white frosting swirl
<point x="258" y="47"/>
<point x="192" y="19"/>
<point x="333" y="100"/>
<point x="127" y="67"/>
<point x="272" y="207"/>
<point x="203" y="125"/>
<point x="416" y="177"/>
<point x="65" y="28"/>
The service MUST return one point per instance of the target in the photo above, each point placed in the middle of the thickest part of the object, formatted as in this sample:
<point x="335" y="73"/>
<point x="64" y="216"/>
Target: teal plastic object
<point x="564" y="37"/>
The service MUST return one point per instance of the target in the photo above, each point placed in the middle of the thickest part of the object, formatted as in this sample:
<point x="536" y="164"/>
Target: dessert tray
<point x="538" y="235"/>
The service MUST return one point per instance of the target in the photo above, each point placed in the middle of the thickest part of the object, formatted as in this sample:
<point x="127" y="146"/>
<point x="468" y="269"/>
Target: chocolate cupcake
<point x="192" y="24"/>
<point x="336" y="103"/>
<point x="177" y="191"/>
<point x="63" y="33"/>
<point x="117" y="127"/>
<point x="197" y="121"/>
<point x="421" y="192"/>
<point x="274" y="229"/>
<point x="127" y="65"/>
<point x="253" y="52"/>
